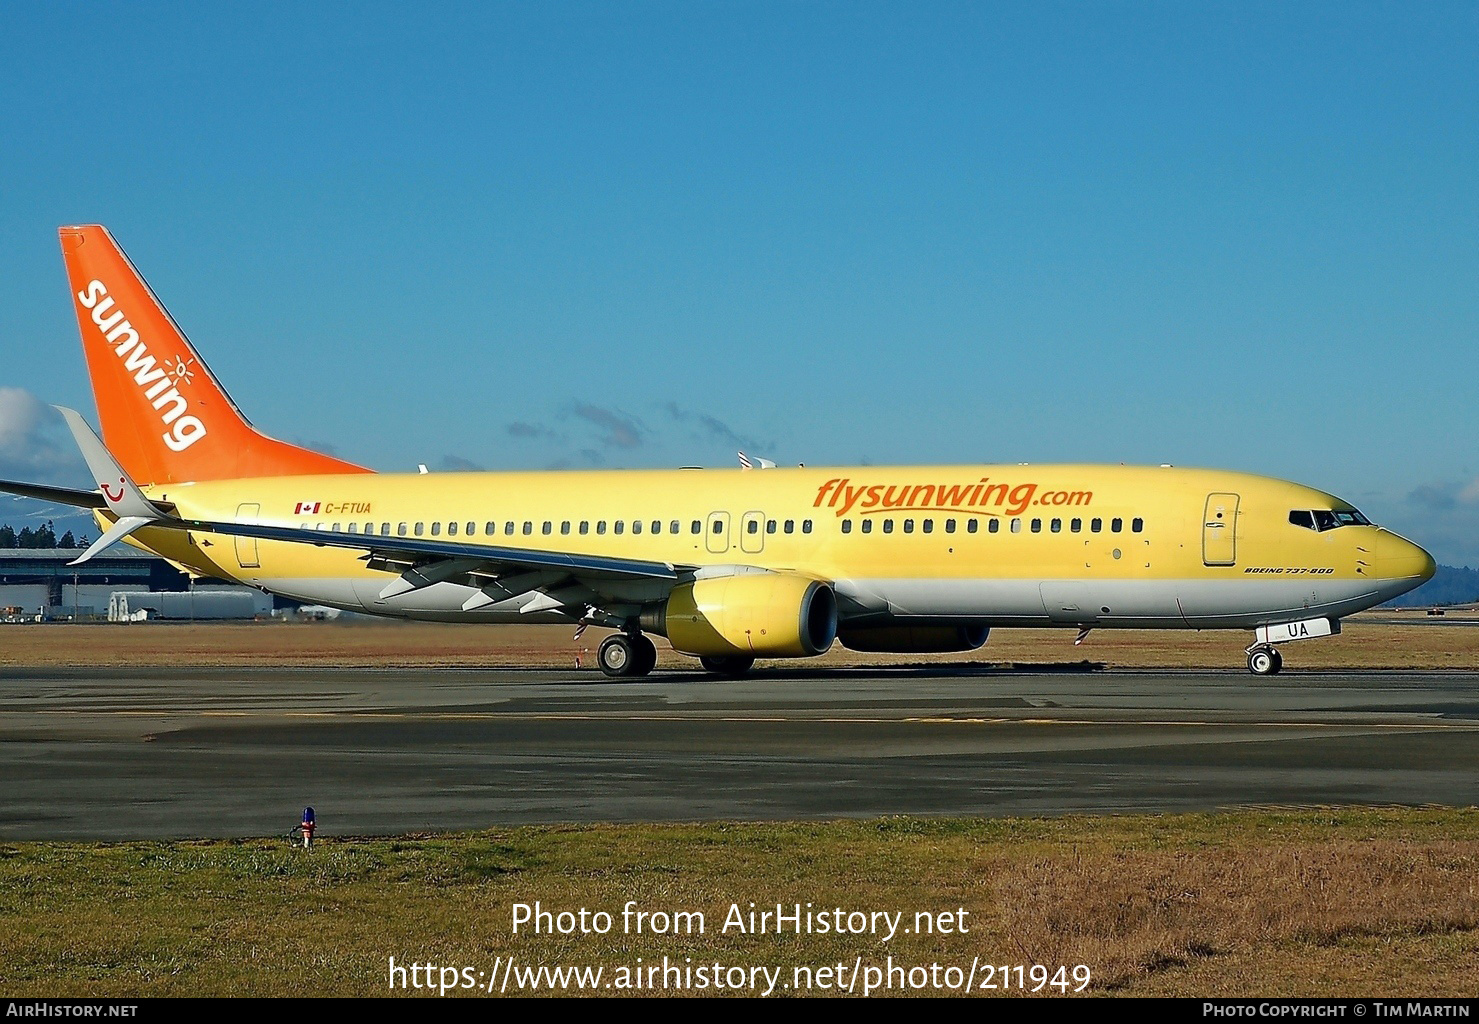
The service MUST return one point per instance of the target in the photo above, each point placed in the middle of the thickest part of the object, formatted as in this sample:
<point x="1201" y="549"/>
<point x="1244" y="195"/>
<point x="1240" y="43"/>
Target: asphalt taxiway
<point x="232" y="752"/>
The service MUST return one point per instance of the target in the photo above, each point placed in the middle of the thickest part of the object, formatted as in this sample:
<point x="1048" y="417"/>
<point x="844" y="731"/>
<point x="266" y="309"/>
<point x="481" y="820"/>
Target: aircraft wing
<point x="414" y="551"/>
<point x="56" y="495"/>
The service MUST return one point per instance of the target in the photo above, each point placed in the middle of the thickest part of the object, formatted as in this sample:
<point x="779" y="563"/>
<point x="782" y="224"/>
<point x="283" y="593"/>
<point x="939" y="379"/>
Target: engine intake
<point x="762" y="615"/>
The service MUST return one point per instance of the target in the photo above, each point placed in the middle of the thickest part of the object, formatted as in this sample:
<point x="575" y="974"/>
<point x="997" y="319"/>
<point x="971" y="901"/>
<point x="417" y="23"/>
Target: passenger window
<point x="585" y="527"/>
<point x="1037" y="526"/>
<point x="436" y="529"/>
<point x="335" y="528"/>
<point x="547" y="528"/>
<point x="888" y="526"/>
<point x="697" y="527"/>
<point x="528" y="528"/>
<point x="847" y="526"/>
<point x="928" y="526"/>
<point x="1096" y="525"/>
<point x="400" y="529"/>
<point x="452" y="529"/>
<point x="1076" y="525"/>
<point x="994" y="525"/>
<point x="600" y="527"/>
<point x="490" y="528"/>
<point x="657" y="526"/>
<point x="790" y="526"/>
<point x="752" y="526"/>
<point x="972" y="525"/>
<point x="419" y="528"/>
<point x="508" y="528"/>
<point x="472" y="528"/>
<point x="617" y="526"/>
<point x="770" y="526"/>
<point x="806" y="526"/>
<point x="565" y="528"/>
<point x="718" y="526"/>
<point x="908" y="526"/>
<point x="676" y="527"/>
<point x="1116" y="525"/>
<point x="950" y="526"/>
<point x="385" y="529"/>
<point x="1016" y="526"/>
<point x="636" y="527"/>
<point x="1137" y="525"/>
<point x="867" y="526"/>
<point x="1056" y="526"/>
<point x="1302" y="517"/>
<point x="353" y="528"/>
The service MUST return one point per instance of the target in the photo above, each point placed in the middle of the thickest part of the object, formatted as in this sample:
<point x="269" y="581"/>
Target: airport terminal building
<point x="37" y="583"/>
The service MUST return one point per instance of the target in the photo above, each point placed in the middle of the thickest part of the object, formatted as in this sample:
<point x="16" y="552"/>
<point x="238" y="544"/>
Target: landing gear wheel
<point x="623" y="655"/>
<point x="646" y="655"/>
<point x="726" y="666"/>
<point x="1265" y="661"/>
<point x="617" y="655"/>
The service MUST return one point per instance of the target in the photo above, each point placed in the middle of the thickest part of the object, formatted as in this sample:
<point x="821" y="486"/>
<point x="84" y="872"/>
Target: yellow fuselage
<point x="995" y="545"/>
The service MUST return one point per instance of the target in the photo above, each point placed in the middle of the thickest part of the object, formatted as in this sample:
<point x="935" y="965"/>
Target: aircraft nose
<point x="1398" y="559"/>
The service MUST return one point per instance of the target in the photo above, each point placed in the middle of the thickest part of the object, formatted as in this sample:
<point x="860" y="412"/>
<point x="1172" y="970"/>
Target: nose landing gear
<point x="626" y="654"/>
<point x="1265" y="660"/>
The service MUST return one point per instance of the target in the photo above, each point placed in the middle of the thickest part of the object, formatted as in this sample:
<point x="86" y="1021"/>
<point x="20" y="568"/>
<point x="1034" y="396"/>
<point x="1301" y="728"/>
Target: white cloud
<point x="34" y="443"/>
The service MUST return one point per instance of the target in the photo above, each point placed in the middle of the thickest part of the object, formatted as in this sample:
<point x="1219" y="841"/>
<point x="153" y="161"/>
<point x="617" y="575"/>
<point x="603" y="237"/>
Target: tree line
<point x="41" y="537"/>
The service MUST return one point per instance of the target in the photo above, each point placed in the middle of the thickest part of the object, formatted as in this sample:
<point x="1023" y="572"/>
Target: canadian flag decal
<point x="306" y="508"/>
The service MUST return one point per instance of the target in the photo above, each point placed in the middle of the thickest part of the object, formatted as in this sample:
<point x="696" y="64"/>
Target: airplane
<point x="728" y="565"/>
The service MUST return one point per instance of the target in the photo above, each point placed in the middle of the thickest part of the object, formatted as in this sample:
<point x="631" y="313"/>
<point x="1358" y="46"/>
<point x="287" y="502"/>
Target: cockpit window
<point x="1321" y="519"/>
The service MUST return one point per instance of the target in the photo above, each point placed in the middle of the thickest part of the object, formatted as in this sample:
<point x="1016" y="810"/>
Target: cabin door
<point x="246" y="547"/>
<point x="1220" y="529"/>
<point x="752" y="533"/>
<point x="717" y="534"/>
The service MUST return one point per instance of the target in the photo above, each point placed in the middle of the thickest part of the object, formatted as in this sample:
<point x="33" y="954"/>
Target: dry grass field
<point x="1385" y="640"/>
<point x="1353" y="902"/>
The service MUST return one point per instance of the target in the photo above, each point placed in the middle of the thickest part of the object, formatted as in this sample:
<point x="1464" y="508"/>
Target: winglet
<point x="122" y="495"/>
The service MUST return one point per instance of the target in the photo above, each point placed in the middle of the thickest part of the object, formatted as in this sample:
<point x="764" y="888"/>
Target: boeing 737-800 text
<point x="729" y="565"/>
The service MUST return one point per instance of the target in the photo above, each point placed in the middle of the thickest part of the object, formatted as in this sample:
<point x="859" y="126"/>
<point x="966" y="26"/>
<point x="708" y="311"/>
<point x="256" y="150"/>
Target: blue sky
<point x="1237" y="235"/>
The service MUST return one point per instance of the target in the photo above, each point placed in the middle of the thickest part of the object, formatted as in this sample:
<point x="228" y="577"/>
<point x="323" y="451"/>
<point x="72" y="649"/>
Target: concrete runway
<point x="231" y="752"/>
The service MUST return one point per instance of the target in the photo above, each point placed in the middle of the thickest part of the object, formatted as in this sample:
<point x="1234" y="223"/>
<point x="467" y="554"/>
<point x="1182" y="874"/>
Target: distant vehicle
<point x="729" y="565"/>
<point x="1435" y="611"/>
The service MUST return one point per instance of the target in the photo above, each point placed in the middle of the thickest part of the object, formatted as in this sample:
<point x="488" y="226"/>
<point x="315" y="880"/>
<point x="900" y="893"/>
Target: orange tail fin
<point x="164" y="417"/>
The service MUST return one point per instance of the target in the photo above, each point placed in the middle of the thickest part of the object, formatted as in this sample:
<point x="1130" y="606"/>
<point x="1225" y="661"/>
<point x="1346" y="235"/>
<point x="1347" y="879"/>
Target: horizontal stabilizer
<point x="116" y="532"/>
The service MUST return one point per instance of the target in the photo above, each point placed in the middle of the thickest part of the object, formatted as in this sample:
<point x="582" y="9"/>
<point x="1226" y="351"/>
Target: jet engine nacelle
<point x="913" y="639"/>
<point x="759" y="615"/>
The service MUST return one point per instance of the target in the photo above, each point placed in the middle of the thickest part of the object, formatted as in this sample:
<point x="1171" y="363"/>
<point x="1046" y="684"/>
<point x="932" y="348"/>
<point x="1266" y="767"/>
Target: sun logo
<point x="181" y="371"/>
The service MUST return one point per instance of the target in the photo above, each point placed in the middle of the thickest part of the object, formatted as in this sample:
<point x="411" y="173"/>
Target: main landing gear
<point x="626" y="654"/>
<point x="1265" y="660"/>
